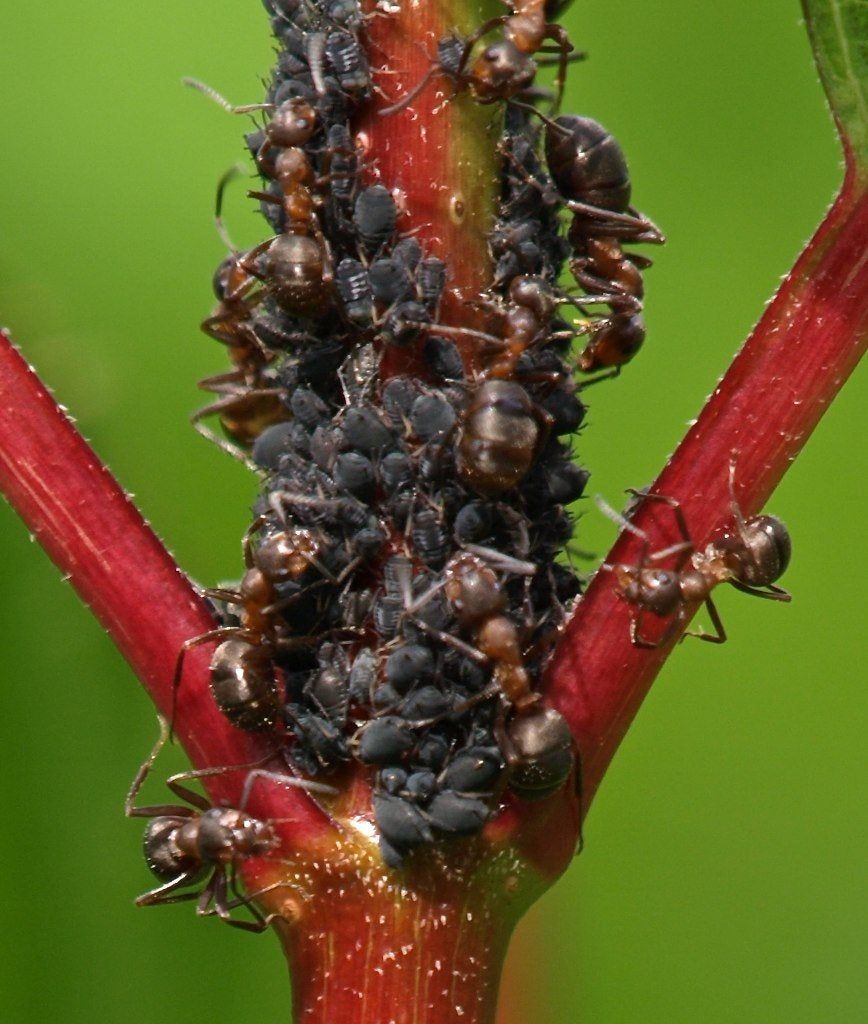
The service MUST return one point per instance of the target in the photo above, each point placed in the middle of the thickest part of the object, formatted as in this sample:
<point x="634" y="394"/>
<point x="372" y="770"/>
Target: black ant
<point x="751" y="558"/>
<point x="183" y="844"/>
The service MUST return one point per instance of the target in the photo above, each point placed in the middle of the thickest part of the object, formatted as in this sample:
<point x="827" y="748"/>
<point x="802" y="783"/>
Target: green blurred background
<point x="724" y="875"/>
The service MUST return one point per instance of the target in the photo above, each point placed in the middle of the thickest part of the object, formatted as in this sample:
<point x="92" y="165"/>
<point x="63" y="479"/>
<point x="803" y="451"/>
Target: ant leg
<point x="773" y="593"/>
<point x="648" y="229"/>
<point x="283" y="780"/>
<point x="247" y="540"/>
<point x="688" y="547"/>
<point x="719" y="634"/>
<point x="737" y="513"/>
<point x="164" y="893"/>
<point x="407" y="99"/>
<point x="130" y="810"/>
<point x="664" y="638"/>
<point x="565" y="48"/>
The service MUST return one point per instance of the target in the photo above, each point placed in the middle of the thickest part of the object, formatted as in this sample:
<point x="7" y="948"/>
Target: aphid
<point x="401" y="825"/>
<point x="384" y="740"/>
<point x="431" y="280"/>
<point x="409" y="665"/>
<point x="501" y="431"/>
<point x="320" y="745"/>
<point x="430" y="540"/>
<point x="456" y="815"/>
<point x="375" y="216"/>
<point x="751" y="557"/>
<point x="365" y="431"/>
<point x="390" y="280"/>
<point x="354" y="289"/>
<point x="184" y="843"/>
<point x="350" y="64"/>
<point x="432" y="417"/>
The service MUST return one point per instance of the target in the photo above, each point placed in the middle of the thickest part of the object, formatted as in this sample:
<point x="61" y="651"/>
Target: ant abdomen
<point x="587" y="163"/>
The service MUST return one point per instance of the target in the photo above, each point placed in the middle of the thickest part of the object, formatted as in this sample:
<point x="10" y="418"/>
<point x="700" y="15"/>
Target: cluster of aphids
<point x="401" y="593"/>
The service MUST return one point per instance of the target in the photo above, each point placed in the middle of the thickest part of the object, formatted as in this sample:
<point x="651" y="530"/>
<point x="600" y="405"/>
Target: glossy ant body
<point x="500" y="434"/>
<point x="184" y="843"/>
<point x="243" y="676"/>
<point x="751" y="557"/>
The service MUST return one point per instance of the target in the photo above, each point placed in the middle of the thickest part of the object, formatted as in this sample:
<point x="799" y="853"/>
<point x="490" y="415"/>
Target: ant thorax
<point x="714" y="564"/>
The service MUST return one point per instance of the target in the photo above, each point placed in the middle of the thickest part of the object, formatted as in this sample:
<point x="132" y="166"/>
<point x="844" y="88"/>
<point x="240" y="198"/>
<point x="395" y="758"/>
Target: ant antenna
<point x="618" y="519"/>
<point x="234" y="172"/>
<point x="221" y="101"/>
<point x="405" y="101"/>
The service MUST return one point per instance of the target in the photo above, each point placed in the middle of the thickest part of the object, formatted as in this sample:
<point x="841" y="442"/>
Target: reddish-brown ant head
<point x="472" y="589"/>
<point x="761" y="553"/>
<point x="293" y="123"/>
<point x="543" y="752"/>
<point x="501" y="71"/>
<point x="247" y="415"/>
<point x="614" y="344"/>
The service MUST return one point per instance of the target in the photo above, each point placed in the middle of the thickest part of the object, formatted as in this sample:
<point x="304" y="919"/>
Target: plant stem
<point x="761" y="413"/>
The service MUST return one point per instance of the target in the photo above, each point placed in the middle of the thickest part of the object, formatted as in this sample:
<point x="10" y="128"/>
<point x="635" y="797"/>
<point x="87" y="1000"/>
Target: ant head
<point x="292" y="124"/>
<point x="501" y="71"/>
<point x="165" y="859"/>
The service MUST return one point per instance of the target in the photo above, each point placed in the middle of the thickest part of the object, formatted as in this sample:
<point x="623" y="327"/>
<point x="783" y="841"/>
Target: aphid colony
<point x="401" y="592"/>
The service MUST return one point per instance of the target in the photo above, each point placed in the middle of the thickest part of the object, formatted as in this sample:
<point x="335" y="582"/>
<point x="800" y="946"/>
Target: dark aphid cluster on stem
<point x="402" y="590"/>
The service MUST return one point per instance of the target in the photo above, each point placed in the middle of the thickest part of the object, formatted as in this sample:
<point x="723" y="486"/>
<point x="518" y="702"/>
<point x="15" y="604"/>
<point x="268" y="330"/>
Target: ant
<point x="296" y="266"/>
<point x="504" y="69"/>
<point x="535" y="740"/>
<point x="589" y="176"/>
<point x="751" y="558"/>
<point x="243" y="676"/>
<point x="182" y="844"/>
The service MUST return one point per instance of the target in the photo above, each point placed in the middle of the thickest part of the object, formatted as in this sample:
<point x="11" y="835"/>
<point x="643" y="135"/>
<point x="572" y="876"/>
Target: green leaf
<point x="839" y="37"/>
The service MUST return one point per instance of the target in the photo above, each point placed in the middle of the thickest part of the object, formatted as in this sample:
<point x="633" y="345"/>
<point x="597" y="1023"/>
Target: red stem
<point x="98" y="539"/>
<point x="763" y="411"/>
